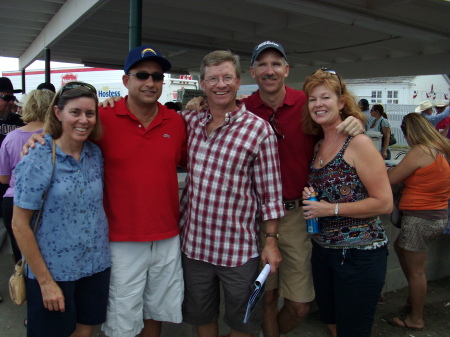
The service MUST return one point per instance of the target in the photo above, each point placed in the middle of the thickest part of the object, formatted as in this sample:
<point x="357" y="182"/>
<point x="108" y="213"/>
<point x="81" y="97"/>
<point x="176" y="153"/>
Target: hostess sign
<point x="106" y="92"/>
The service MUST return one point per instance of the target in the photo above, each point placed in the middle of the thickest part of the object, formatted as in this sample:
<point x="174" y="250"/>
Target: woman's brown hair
<point x="330" y="79"/>
<point x="421" y="132"/>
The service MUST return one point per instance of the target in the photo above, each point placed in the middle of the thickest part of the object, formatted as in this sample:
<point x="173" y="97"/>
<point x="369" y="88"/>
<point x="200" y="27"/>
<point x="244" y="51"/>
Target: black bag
<point x="396" y="215"/>
<point x="392" y="139"/>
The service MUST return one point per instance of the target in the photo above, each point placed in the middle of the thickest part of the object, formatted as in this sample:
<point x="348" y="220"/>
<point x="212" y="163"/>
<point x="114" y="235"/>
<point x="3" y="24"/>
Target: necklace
<point x="150" y="119"/>
<point x="326" y="150"/>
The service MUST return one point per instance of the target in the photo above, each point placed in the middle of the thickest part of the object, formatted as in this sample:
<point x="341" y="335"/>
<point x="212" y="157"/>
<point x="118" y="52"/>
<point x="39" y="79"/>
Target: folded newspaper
<point x="258" y="287"/>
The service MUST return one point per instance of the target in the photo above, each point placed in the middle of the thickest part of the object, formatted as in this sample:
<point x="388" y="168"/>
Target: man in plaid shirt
<point x="233" y="183"/>
<point x="282" y="107"/>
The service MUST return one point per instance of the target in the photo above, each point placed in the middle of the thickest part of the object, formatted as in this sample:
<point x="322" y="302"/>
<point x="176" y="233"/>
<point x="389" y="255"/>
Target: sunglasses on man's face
<point x="8" y="98"/>
<point x="157" y="77"/>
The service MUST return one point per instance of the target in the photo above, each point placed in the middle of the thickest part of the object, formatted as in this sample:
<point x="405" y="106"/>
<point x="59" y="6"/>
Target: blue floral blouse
<point x="72" y="233"/>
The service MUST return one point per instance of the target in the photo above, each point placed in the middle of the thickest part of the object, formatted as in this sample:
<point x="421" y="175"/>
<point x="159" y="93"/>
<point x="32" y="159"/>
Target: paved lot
<point x="437" y="314"/>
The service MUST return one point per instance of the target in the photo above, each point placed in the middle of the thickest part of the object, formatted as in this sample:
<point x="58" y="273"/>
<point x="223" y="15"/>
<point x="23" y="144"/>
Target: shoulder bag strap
<point x="45" y="194"/>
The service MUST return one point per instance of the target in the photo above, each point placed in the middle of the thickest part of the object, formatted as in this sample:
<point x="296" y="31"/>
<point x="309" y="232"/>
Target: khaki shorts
<point x="146" y="283"/>
<point x="294" y="276"/>
<point x="416" y="234"/>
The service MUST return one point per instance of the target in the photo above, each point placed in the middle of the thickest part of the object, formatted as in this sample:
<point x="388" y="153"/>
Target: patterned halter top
<point x="339" y="182"/>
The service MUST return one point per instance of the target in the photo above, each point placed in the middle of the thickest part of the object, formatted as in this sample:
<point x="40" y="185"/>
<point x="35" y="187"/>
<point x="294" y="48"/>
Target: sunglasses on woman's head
<point x="74" y="85"/>
<point x="331" y="71"/>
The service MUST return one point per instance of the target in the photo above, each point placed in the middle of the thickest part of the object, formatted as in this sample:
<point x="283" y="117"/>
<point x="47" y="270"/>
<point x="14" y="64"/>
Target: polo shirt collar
<point x="162" y="111"/>
<point x="289" y="99"/>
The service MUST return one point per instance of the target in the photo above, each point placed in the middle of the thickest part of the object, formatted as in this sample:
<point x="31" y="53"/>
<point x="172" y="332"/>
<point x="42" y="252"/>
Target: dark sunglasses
<point x="403" y="127"/>
<point x="331" y="71"/>
<point x="8" y="98"/>
<point x="73" y="85"/>
<point x="276" y="127"/>
<point x="157" y="77"/>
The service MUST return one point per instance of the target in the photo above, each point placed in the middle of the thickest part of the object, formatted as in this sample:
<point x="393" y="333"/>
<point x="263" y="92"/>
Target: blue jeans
<point x="348" y="284"/>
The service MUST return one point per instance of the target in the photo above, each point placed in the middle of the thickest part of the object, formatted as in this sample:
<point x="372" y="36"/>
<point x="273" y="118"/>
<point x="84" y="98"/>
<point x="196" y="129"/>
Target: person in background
<point x="349" y="256"/>
<point x="20" y="104"/>
<point x="364" y="106"/>
<point x="68" y="257"/>
<point x="35" y="110"/>
<point x="425" y="173"/>
<point x="46" y="85"/>
<point x="282" y="107"/>
<point x="426" y="110"/>
<point x="173" y="105"/>
<point x="8" y="122"/>
<point x="444" y="125"/>
<point x="380" y="123"/>
<point x="231" y="154"/>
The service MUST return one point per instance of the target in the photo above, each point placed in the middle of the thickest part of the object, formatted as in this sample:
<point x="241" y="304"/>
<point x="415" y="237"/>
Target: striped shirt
<point x="233" y="182"/>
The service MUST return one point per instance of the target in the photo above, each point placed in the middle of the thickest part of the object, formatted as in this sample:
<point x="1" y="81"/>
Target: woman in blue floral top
<point x="349" y="254"/>
<point x="68" y="256"/>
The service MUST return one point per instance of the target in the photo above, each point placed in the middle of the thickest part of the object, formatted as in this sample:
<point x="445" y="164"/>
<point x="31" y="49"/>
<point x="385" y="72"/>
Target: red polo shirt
<point x="141" y="185"/>
<point x="296" y="149"/>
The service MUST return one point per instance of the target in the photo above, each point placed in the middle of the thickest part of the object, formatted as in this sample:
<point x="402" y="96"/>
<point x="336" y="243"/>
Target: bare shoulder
<point x="361" y="150"/>
<point x="422" y="154"/>
<point x="419" y="150"/>
<point x="361" y="141"/>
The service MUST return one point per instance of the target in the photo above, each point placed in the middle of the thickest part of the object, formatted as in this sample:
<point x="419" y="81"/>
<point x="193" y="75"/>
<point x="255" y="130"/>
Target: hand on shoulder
<point x="109" y="102"/>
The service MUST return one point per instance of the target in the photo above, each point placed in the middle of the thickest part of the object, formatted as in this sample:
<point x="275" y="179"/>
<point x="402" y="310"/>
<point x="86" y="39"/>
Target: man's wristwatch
<point x="272" y="235"/>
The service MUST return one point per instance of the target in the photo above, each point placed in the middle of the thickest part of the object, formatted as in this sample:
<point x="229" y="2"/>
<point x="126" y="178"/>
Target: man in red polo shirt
<point x="143" y="142"/>
<point x="142" y="145"/>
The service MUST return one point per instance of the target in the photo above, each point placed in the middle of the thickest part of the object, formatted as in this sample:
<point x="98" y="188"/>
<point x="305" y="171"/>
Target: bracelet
<point x="336" y="209"/>
<point x="272" y="235"/>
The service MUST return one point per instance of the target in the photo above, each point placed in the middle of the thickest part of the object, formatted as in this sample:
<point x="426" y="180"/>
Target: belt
<point x="291" y="204"/>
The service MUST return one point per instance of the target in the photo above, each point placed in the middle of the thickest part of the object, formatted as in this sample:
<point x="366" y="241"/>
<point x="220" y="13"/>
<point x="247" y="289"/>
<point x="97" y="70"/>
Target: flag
<point x="415" y="94"/>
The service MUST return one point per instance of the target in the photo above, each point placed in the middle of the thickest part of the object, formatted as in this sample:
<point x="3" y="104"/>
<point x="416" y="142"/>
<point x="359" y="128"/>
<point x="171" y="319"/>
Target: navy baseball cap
<point x="145" y="53"/>
<point x="266" y="45"/>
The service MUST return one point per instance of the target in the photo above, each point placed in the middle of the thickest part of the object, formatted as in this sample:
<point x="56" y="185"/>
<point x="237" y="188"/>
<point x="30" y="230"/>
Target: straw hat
<point x="440" y="103"/>
<point x="424" y="105"/>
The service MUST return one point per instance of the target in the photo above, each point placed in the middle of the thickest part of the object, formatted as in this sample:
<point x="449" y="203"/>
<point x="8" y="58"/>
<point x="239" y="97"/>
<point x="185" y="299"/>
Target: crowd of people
<point x="116" y="247"/>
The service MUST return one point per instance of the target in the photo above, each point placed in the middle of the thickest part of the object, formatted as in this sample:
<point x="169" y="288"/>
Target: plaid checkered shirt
<point x="233" y="182"/>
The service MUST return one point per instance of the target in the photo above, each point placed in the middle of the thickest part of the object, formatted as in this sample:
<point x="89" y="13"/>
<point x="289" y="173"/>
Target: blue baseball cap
<point x="145" y="53"/>
<point x="266" y="45"/>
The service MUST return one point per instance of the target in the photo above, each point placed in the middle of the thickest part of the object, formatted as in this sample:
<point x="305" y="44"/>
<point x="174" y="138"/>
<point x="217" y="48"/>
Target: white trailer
<point x="108" y="82"/>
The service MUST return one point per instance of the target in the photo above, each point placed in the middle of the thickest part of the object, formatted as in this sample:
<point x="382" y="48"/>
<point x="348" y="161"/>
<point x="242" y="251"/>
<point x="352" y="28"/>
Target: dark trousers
<point x="3" y="188"/>
<point x="7" y="207"/>
<point x="348" y="284"/>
